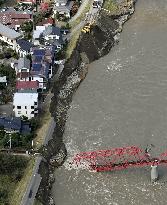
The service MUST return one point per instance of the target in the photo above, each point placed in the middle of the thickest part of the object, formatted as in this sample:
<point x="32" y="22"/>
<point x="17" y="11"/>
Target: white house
<point x="25" y="104"/>
<point x="9" y="36"/>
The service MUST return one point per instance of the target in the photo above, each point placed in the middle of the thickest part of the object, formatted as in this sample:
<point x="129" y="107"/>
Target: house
<point x="61" y="2"/>
<point x="22" y="65"/>
<point x="23" y="47"/>
<point x="46" y="22"/>
<point x="63" y="7"/>
<point x="9" y="36"/>
<point x="14" y="125"/>
<point x="14" y="19"/>
<point x="23" y="76"/>
<point x="51" y="32"/>
<point x="52" y="36"/>
<point x="42" y="60"/>
<point x="37" y="34"/>
<point x="27" y="86"/>
<point x="25" y="104"/>
<point x="3" y="80"/>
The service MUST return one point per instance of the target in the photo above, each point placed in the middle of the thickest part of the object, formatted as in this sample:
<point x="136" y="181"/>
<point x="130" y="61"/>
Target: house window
<point x="35" y="103"/>
<point x="18" y="107"/>
<point x="25" y="107"/>
<point x="32" y="107"/>
<point x="32" y="112"/>
<point x="19" y="112"/>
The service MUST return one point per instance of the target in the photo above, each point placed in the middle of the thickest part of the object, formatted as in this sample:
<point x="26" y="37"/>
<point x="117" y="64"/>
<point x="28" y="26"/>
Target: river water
<point x="122" y="102"/>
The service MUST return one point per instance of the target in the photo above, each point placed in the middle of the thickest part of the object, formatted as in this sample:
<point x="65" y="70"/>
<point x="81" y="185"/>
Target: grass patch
<point x="44" y="119"/>
<point x="111" y="6"/>
<point x="12" y="171"/>
<point x="36" y="202"/>
<point x="22" y="185"/>
<point x="72" y="44"/>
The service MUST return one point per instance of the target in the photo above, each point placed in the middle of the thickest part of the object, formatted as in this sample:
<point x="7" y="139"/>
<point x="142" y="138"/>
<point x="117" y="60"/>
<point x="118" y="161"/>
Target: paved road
<point x="33" y="186"/>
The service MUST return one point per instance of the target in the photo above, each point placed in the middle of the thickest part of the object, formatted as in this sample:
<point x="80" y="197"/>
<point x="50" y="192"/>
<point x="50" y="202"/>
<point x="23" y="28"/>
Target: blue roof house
<point x="23" y="47"/>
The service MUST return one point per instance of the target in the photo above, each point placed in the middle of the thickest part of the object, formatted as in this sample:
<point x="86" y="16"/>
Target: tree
<point x="27" y="27"/>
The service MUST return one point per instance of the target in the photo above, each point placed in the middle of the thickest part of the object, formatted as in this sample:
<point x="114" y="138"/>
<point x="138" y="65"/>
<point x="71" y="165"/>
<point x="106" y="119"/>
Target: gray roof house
<point x="51" y="31"/>
<point x="9" y="35"/>
<point x="63" y="7"/>
<point x="23" y="64"/>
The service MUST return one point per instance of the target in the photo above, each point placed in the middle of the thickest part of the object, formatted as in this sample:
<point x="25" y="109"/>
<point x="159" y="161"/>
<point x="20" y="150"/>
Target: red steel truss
<point x="118" y="158"/>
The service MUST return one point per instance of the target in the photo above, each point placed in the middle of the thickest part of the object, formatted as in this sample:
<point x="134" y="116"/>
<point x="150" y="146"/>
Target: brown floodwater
<point x="122" y="102"/>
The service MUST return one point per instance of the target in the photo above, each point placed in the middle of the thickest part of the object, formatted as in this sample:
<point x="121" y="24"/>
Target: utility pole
<point x="10" y="141"/>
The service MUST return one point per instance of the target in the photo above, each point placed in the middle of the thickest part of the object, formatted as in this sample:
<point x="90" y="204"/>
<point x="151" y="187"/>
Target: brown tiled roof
<point x="27" y="85"/>
<point x="12" y="18"/>
<point x="22" y="75"/>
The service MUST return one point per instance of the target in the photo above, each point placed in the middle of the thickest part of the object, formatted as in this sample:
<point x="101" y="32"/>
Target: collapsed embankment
<point x="90" y="47"/>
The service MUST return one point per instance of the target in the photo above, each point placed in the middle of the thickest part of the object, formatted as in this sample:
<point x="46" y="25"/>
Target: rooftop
<point x="10" y="33"/>
<point x="10" y="123"/>
<point x="51" y="30"/>
<point x="3" y="79"/>
<point x="27" y="85"/>
<point x="23" y="63"/>
<point x="25" y="98"/>
<point x="23" y="75"/>
<point x="24" y="44"/>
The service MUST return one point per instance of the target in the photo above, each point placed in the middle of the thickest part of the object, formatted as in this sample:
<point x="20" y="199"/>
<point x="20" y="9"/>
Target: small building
<point x="27" y="86"/>
<point x="23" y="47"/>
<point x="9" y="36"/>
<point x="3" y="80"/>
<point x="25" y="104"/>
<point x="14" y="125"/>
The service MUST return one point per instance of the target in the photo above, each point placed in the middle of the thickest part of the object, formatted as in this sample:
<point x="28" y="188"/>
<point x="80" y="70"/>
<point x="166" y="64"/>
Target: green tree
<point x="27" y="27"/>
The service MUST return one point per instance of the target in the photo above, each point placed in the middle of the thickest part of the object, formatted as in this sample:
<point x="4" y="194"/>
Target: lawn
<point x="111" y="6"/>
<point x="12" y="170"/>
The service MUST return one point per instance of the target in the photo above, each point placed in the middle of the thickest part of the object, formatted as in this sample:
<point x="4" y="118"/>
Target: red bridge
<point x="118" y="158"/>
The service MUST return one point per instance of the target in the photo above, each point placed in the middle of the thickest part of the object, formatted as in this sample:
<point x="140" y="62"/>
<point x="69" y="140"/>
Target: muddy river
<point x="122" y="102"/>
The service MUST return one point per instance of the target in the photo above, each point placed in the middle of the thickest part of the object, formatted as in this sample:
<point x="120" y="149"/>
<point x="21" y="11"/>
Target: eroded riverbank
<point x="90" y="47"/>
